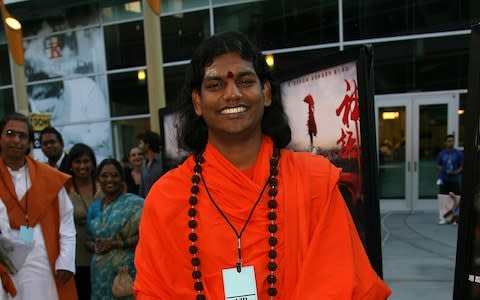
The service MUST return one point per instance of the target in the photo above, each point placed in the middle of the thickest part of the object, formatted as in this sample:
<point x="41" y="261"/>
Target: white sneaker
<point x="442" y="221"/>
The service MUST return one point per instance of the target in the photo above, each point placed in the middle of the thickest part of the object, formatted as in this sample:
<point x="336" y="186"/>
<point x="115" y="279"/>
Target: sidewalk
<point x="418" y="256"/>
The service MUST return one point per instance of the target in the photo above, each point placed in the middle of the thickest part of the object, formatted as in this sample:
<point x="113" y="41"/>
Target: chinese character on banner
<point x="348" y="110"/>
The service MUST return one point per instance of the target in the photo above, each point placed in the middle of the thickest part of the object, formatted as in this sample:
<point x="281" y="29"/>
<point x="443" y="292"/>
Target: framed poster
<point x="467" y="267"/>
<point x="330" y="107"/>
<point x="173" y="153"/>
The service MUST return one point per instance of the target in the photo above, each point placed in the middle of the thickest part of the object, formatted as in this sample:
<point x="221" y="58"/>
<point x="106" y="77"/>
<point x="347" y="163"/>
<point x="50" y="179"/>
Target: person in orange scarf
<point x="40" y="214"/>
<point x="243" y="217"/>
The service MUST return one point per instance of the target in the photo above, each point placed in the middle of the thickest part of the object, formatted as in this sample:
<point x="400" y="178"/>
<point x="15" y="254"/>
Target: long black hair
<point x="194" y="131"/>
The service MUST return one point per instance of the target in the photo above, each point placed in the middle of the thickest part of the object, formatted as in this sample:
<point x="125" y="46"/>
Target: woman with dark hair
<point x="243" y="215"/>
<point x="112" y="229"/>
<point x="81" y="165"/>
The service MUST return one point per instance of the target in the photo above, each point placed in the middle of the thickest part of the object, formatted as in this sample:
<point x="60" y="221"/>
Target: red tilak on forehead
<point x="230" y="74"/>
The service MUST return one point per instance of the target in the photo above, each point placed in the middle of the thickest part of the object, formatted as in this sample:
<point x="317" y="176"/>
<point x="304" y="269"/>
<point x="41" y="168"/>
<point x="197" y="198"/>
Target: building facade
<point x="85" y="65"/>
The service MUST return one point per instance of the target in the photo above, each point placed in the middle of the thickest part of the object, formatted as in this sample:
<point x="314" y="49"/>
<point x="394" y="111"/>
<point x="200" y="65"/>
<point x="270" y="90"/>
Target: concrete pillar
<point x="154" y="56"/>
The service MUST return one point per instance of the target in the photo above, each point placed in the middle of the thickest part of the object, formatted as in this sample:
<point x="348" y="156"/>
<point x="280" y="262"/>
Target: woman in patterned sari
<point x="112" y="229"/>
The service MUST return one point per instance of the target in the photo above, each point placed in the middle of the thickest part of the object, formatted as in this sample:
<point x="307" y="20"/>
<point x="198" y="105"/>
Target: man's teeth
<point x="233" y="110"/>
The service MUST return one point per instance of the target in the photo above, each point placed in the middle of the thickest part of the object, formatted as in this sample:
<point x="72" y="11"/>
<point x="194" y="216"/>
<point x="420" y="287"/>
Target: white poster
<point x="320" y="106"/>
<point x="77" y="103"/>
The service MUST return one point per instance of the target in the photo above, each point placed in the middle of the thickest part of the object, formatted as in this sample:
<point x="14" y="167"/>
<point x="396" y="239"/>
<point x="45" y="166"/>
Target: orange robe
<point x="43" y="208"/>
<point x="320" y="255"/>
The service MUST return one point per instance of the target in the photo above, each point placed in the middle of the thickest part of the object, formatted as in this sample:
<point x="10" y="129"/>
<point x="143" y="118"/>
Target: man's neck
<point x="53" y="161"/>
<point x="150" y="155"/>
<point x="241" y="153"/>
<point x="15" y="165"/>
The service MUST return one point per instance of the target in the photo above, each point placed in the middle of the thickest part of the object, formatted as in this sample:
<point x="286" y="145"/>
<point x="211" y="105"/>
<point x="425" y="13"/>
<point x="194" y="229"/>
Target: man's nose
<point x="231" y="90"/>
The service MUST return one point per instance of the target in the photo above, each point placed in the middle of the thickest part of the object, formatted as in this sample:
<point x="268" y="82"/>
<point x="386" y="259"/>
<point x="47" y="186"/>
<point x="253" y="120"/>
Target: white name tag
<point x="240" y="286"/>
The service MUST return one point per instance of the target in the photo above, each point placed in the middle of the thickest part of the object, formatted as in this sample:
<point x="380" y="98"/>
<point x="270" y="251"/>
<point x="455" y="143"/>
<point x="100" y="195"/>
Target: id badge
<point x="26" y="234"/>
<point x="240" y="286"/>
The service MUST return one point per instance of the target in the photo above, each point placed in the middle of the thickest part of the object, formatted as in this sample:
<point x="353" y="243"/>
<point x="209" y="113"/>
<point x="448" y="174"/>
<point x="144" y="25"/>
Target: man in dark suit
<point x="51" y="142"/>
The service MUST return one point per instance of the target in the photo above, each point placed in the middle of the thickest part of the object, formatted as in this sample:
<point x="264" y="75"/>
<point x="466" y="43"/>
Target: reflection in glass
<point x="174" y="78"/>
<point x="128" y="94"/>
<point x="113" y="11"/>
<point x="421" y="65"/>
<point x="182" y="33"/>
<point x="5" y="77"/>
<point x="124" y="45"/>
<point x="370" y="19"/>
<point x="125" y="134"/>
<point x="35" y="14"/>
<point x="272" y="24"/>
<point x="6" y="102"/>
<point x="391" y="140"/>
<point x="431" y="132"/>
<point x="172" y="6"/>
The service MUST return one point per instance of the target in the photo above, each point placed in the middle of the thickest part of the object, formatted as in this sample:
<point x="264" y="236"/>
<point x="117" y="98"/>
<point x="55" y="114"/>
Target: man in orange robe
<point x="238" y="203"/>
<point x="38" y="205"/>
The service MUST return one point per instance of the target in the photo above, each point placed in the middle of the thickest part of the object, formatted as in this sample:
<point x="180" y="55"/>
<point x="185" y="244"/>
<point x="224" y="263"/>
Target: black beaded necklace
<point x="272" y="227"/>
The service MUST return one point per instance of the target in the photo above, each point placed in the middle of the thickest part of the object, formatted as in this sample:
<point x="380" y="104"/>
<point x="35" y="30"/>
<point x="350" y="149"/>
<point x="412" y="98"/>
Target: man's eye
<point x="245" y="82"/>
<point x="214" y="85"/>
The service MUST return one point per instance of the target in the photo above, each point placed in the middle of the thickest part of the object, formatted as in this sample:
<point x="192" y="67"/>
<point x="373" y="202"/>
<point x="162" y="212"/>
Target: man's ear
<point x="267" y="93"/>
<point x="196" y="101"/>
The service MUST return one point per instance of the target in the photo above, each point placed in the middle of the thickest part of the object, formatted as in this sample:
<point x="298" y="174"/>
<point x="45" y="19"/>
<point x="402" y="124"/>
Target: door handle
<point x="415" y="166"/>
<point x="408" y="166"/>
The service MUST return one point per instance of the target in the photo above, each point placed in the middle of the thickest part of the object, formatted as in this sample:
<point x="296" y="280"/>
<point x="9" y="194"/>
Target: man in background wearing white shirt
<point x="40" y="214"/>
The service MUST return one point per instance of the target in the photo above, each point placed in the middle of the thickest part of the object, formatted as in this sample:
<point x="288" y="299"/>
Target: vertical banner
<point x="173" y="151"/>
<point x="467" y="267"/>
<point x="330" y="111"/>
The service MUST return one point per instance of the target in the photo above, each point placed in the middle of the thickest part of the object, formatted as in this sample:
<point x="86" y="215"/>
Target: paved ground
<point x="418" y="256"/>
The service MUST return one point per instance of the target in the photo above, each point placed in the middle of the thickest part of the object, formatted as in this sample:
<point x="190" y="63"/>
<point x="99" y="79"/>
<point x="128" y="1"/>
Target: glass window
<point x="121" y="10"/>
<point x="170" y="6"/>
<point x="421" y="65"/>
<point x="38" y="17"/>
<point x="174" y="78"/>
<point x="293" y="64"/>
<point x="124" y="45"/>
<point x="64" y="54"/>
<point x="128" y="93"/>
<point x="6" y="102"/>
<point x="369" y="19"/>
<point x="3" y="36"/>
<point x="276" y="24"/>
<point x="125" y="135"/>
<point x="5" y="76"/>
<point x="181" y="34"/>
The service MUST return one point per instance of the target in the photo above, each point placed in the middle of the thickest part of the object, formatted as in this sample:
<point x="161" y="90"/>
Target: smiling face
<point x="232" y="99"/>
<point x="82" y="166"/>
<point x="135" y="157"/>
<point x="14" y="143"/>
<point x="110" y="179"/>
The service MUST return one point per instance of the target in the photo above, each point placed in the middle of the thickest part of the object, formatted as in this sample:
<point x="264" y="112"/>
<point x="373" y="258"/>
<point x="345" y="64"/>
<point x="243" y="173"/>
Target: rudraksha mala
<point x="272" y="180"/>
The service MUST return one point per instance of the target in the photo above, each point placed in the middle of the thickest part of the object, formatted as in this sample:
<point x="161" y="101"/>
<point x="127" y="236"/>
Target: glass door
<point x="434" y="116"/>
<point x="394" y="121"/>
<point x="410" y="133"/>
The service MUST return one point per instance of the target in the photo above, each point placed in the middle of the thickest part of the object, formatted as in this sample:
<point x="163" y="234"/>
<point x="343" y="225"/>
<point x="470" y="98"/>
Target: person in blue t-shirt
<point x="450" y="165"/>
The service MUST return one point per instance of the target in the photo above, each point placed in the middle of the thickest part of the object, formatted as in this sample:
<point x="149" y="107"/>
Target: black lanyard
<point x="238" y="235"/>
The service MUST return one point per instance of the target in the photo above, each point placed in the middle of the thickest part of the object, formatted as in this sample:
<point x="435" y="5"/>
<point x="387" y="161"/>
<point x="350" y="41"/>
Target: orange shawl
<point x="320" y="255"/>
<point x="42" y="208"/>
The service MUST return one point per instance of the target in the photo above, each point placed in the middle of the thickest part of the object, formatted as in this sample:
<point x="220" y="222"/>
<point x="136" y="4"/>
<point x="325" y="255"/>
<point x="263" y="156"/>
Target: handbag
<point x="122" y="285"/>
